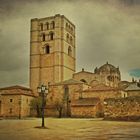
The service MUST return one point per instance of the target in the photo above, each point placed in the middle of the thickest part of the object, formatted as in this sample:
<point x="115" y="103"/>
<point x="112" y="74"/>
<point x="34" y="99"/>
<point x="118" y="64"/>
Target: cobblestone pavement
<point x="68" y="129"/>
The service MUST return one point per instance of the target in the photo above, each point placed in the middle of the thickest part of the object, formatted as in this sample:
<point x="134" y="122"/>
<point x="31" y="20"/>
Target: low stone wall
<point x="83" y="111"/>
<point x="127" y="109"/>
<point x="48" y="112"/>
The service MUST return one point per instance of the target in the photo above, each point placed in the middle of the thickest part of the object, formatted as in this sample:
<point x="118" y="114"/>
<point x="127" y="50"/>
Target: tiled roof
<point x="16" y="90"/>
<point x="124" y="84"/>
<point x="132" y="86"/>
<point x="15" y="87"/>
<point x="100" y="87"/>
<point x="70" y="81"/>
<point x="85" y="102"/>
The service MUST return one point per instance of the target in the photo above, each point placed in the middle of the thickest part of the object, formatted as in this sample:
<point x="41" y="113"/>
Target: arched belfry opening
<point x="69" y="51"/>
<point x="47" y="49"/>
<point x="43" y="37"/>
<point x="47" y="26"/>
<point x="51" y="34"/>
<point x="52" y="24"/>
<point x="67" y="38"/>
<point x="41" y="26"/>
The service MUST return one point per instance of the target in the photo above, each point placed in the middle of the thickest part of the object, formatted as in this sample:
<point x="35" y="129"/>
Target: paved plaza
<point x="68" y="129"/>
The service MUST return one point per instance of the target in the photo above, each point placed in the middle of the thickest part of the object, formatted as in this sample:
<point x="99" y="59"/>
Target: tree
<point x="59" y="105"/>
<point x="36" y="104"/>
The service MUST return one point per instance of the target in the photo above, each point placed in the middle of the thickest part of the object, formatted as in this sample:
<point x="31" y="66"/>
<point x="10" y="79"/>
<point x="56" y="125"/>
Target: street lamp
<point x="19" y="102"/>
<point x="43" y="90"/>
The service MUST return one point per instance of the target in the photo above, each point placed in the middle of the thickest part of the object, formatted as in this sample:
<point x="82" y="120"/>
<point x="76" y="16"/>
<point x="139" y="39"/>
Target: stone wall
<point x="122" y="108"/>
<point x="133" y="93"/>
<point x="15" y="105"/>
<point x="57" y="92"/>
<point x="102" y="94"/>
<point x="25" y="105"/>
<point x="83" y="111"/>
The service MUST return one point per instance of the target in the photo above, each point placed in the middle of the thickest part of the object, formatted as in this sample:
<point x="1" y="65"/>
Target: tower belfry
<point x="52" y="50"/>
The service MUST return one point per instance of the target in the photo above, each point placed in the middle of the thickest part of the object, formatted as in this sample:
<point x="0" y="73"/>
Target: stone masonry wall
<point x="101" y="94"/>
<point x="15" y="105"/>
<point x="83" y="111"/>
<point x="122" y="109"/>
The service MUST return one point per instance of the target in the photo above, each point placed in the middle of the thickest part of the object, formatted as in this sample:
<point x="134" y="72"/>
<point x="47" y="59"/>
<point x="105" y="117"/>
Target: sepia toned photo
<point x="69" y="69"/>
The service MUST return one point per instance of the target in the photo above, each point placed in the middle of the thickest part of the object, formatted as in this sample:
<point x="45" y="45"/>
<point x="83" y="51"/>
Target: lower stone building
<point x="78" y="99"/>
<point x="102" y="92"/>
<point x="15" y="101"/>
<point x="61" y="95"/>
<point x="132" y="90"/>
<point x="86" y="107"/>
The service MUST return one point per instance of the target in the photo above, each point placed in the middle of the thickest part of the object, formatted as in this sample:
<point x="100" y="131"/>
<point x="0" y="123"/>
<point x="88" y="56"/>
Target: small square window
<point x="11" y="100"/>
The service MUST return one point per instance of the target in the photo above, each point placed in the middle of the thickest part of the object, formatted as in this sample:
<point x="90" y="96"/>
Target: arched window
<point x="41" y="26"/>
<point x="43" y="37"/>
<point x="52" y="24"/>
<point x="83" y="80"/>
<point x="51" y="34"/>
<point x="71" y="29"/>
<point x="47" y="26"/>
<point x="67" y="38"/>
<point x="47" y="49"/>
<point x="66" y="25"/>
<point x="71" y="39"/>
<point x="69" y="51"/>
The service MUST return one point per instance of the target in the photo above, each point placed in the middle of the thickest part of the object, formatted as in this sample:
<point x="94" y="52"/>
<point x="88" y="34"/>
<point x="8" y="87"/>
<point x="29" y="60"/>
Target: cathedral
<point x="52" y="55"/>
<point x="53" y="63"/>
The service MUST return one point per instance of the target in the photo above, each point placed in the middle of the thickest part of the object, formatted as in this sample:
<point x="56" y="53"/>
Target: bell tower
<point x="52" y="50"/>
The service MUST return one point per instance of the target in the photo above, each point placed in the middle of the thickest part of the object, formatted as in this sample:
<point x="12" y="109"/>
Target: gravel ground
<point x="68" y="129"/>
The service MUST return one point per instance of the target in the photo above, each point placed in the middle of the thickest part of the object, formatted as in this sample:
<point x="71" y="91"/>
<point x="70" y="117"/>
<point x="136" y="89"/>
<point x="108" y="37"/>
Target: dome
<point x="107" y="68"/>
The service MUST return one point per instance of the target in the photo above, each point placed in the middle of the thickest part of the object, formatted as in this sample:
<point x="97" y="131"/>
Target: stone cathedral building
<point x="52" y="55"/>
<point x="53" y="63"/>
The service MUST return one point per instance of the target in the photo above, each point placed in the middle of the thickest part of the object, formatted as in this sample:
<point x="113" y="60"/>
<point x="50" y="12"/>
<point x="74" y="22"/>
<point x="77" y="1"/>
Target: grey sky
<point x="104" y="32"/>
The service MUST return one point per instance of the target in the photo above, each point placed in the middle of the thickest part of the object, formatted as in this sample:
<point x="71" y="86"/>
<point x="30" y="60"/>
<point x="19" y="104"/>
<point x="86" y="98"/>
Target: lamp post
<point x="19" y="102"/>
<point x="43" y="90"/>
<point x="0" y="104"/>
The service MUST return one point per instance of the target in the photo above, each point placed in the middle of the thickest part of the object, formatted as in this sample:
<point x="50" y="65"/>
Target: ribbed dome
<point x="107" y="68"/>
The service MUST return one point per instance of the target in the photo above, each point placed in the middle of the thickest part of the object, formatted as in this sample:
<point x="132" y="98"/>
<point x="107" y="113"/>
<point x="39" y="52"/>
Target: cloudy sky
<point x="106" y="30"/>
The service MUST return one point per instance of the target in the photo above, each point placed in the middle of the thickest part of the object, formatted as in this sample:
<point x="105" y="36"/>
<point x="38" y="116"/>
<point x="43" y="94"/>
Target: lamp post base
<point x="40" y="127"/>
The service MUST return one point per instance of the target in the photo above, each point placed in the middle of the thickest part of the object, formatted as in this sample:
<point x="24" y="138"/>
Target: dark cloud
<point x="104" y="32"/>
